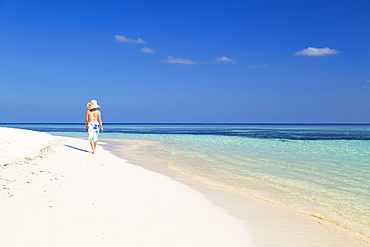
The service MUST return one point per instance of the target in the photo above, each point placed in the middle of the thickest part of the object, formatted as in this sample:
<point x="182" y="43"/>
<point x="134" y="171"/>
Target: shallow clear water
<point x="318" y="170"/>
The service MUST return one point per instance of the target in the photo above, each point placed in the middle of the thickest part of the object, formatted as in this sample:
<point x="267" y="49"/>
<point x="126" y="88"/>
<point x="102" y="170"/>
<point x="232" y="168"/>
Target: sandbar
<point x="54" y="192"/>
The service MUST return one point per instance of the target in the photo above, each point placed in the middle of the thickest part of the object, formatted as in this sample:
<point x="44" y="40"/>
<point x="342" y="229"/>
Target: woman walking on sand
<point x="93" y="123"/>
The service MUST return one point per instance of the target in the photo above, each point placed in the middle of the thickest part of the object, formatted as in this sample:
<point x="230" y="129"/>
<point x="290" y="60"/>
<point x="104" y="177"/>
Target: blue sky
<point x="260" y="61"/>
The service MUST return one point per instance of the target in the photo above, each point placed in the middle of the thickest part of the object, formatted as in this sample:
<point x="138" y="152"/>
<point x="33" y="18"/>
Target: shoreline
<point x="56" y="193"/>
<point x="276" y="228"/>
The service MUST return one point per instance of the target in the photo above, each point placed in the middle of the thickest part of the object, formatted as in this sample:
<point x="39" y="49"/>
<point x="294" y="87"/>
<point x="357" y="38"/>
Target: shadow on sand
<point x="83" y="150"/>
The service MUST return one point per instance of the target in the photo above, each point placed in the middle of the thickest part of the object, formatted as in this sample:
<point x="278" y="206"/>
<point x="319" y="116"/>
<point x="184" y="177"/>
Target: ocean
<point x="321" y="171"/>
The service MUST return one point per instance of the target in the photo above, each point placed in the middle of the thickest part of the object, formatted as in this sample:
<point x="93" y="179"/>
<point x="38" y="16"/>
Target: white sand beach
<point x="54" y="192"/>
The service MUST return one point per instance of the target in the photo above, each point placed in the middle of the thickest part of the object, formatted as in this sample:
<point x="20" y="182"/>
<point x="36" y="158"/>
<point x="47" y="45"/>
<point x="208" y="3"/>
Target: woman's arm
<point x="100" y="122"/>
<point x="86" y="120"/>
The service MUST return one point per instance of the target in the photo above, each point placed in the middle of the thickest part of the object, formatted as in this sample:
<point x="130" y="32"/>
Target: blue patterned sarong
<point x="93" y="131"/>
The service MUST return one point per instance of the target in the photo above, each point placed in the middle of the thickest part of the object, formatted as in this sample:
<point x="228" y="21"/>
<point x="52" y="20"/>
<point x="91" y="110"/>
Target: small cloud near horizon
<point x="147" y="50"/>
<point x="312" y="51"/>
<point x="224" y="60"/>
<point x="123" y="39"/>
<point x="367" y="86"/>
<point x="179" y="60"/>
<point x="257" y="66"/>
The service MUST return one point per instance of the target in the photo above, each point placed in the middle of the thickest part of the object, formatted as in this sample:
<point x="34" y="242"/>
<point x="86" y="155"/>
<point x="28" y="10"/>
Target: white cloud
<point x="123" y="39"/>
<point x="312" y="51"/>
<point x="224" y="60"/>
<point x="257" y="66"/>
<point x="147" y="50"/>
<point x="179" y="60"/>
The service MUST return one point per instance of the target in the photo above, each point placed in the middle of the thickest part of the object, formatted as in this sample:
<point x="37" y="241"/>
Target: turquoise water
<point x="318" y="170"/>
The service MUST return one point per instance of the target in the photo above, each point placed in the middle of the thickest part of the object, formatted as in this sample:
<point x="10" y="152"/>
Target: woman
<point x="93" y="123"/>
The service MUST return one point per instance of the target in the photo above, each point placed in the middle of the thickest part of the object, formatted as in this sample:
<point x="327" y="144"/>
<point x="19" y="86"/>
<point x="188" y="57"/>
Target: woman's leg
<point x="95" y="144"/>
<point x="92" y="144"/>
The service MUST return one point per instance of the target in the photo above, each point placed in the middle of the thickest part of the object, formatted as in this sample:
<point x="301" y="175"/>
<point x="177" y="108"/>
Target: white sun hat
<point x="92" y="104"/>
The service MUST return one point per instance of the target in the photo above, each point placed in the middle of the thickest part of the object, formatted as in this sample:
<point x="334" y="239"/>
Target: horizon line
<point x="204" y="123"/>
